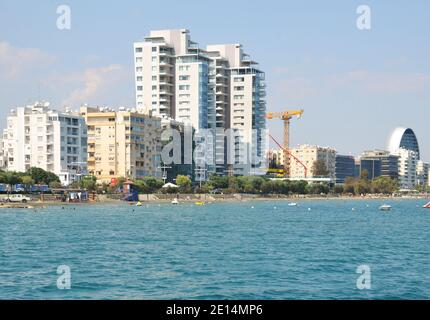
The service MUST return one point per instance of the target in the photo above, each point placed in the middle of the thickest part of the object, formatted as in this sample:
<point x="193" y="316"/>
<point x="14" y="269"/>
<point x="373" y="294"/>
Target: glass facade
<point x="345" y="167"/>
<point x="372" y="166"/>
<point x="409" y="142"/>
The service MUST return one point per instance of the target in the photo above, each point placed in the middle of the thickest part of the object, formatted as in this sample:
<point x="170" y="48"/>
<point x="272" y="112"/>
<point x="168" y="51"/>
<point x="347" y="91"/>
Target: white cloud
<point x="14" y="61"/>
<point x="93" y="84"/>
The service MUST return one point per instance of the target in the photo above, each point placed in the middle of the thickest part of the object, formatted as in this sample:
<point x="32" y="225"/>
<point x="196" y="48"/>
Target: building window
<point x="184" y="78"/>
<point x="239" y="79"/>
<point x="139" y="88"/>
<point x="139" y="60"/>
<point x="139" y="50"/>
<point x="154" y="49"/>
<point x="154" y="78"/>
<point x="139" y="69"/>
<point x="238" y="97"/>
<point x="184" y="87"/>
<point x="140" y="78"/>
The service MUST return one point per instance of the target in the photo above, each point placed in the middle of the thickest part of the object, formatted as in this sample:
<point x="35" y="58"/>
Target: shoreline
<point x="206" y="199"/>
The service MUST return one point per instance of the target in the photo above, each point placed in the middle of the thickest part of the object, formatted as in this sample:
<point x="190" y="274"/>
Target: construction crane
<point x="288" y="153"/>
<point x="286" y="116"/>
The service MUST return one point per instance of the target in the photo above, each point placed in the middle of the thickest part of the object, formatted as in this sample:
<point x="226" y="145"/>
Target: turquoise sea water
<point x="248" y="250"/>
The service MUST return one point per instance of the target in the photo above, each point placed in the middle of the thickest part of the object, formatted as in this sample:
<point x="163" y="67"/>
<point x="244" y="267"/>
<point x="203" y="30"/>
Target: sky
<point x="355" y="85"/>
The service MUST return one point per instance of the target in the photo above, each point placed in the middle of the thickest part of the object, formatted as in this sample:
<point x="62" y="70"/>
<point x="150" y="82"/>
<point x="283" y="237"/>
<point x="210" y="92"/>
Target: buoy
<point x="309" y="209"/>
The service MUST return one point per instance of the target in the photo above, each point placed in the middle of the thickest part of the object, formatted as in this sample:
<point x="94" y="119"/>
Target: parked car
<point x="15" y="198"/>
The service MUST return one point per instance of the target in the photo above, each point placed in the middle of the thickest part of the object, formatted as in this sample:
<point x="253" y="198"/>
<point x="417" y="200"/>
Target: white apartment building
<point x="308" y="155"/>
<point x="423" y="173"/>
<point x="3" y="156"/>
<point x="216" y="89"/>
<point x="408" y="161"/>
<point x="37" y="136"/>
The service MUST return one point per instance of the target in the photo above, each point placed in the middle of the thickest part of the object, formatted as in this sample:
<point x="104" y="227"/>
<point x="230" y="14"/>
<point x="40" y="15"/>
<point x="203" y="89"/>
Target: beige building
<point x="308" y="154"/>
<point x="122" y="143"/>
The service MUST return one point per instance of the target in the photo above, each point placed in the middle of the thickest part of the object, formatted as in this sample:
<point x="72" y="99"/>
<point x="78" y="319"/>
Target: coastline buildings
<point x="403" y="138"/>
<point x="380" y="163"/>
<point x="276" y="158"/>
<point x="423" y="173"/>
<point x="308" y="155"/>
<point x="37" y="136"/>
<point x="407" y="168"/>
<point x="344" y="168"/>
<point x="123" y="143"/>
<point x="213" y="90"/>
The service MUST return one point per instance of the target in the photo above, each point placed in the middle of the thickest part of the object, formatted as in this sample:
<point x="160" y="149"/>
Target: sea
<point x="318" y="249"/>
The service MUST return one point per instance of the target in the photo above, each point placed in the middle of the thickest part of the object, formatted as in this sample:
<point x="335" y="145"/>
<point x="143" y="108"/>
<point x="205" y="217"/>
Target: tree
<point x="27" y="181"/>
<point x="317" y="188"/>
<point x="319" y="169"/>
<point x="41" y="176"/>
<point x="89" y="183"/>
<point x="362" y="186"/>
<point x="349" y="185"/>
<point x="385" y="185"/>
<point x="184" y="183"/>
<point x="364" y="175"/>
<point x="55" y="185"/>
<point x="148" y="184"/>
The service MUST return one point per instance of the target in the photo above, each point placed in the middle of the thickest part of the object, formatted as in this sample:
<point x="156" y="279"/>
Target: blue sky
<point x="355" y="86"/>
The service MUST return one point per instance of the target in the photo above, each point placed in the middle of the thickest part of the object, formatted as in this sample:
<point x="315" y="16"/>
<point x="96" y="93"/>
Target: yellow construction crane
<point x="286" y="116"/>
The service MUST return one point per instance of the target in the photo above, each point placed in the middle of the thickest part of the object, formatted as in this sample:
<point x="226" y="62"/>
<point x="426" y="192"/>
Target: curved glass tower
<point x="404" y="138"/>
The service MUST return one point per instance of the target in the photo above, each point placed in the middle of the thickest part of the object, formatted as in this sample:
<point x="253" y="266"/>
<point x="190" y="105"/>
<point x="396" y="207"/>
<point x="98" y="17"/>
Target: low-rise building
<point x="308" y="155"/>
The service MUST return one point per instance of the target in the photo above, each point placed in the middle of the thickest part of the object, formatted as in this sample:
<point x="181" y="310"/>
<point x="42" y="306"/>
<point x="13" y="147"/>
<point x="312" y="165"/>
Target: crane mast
<point x="286" y="117"/>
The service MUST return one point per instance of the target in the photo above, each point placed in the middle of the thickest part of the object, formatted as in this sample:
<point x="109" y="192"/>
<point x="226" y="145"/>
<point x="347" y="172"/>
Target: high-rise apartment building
<point x="308" y="155"/>
<point x="408" y="161"/>
<point x="37" y="136"/>
<point x="216" y="89"/>
<point x="123" y="143"/>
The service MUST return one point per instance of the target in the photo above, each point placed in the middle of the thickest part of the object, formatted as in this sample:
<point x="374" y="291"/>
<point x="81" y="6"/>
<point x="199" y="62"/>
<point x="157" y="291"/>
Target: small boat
<point x="175" y="201"/>
<point x="199" y="203"/>
<point x="385" y="207"/>
<point x="426" y="206"/>
<point x="292" y="204"/>
<point x="138" y="204"/>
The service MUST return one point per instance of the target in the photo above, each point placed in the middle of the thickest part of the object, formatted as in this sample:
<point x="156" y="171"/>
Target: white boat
<point x="292" y="204"/>
<point x="385" y="207"/>
<point x="175" y="201"/>
<point x="426" y="206"/>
